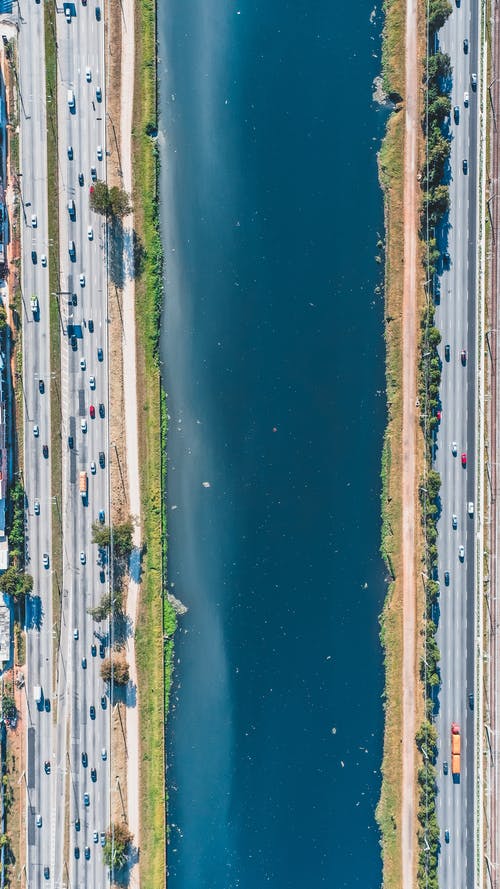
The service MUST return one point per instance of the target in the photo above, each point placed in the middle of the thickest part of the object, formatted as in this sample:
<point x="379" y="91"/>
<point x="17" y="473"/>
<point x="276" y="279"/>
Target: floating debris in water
<point x="206" y="484"/>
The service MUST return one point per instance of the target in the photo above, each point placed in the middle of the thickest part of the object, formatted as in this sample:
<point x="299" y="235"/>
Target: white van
<point x="71" y="99"/>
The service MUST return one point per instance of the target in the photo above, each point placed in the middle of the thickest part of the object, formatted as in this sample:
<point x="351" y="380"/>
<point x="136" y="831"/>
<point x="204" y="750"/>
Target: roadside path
<point x="409" y="346"/>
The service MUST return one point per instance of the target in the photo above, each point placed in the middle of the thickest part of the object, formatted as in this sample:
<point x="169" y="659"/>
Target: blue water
<point x="274" y="366"/>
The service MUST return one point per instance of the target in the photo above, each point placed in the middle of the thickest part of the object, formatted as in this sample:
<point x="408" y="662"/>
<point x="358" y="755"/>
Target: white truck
<point x="38" y="695"/>
<point x="34" y="304"/>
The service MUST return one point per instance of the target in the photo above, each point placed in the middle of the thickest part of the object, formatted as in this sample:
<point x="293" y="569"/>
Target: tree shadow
<point x="126" y="253"/>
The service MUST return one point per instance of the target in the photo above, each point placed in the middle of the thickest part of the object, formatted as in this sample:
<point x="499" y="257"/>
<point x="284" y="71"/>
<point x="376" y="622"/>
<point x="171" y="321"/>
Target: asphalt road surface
<point x="455" y="318"/>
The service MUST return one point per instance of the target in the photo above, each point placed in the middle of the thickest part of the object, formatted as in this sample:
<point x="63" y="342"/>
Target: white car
<point x="83" y="364"/>
<point x="39" y="821"/>
<point x="45" y="560"/>
<point x="43" y="260"/>
<point x="90" y="233"/>
<point x="36" y="431"/>
<point x="454" y="521"/>
<point x="75" y="633"/>
<point x="82" y="280"/>
<point x="83" y="425"/>
<point x="67" y="13"/>
<point x="36" y="507"/>
<point x="470" y="508"/>
<point x="92" y="382"/>
<point x="83" y="558"/>
<point x="454" y="448"/>
<point x="34" y="220"/>
<point x="104" y="754"/>
<point x="93" y="468"/>
<point x="88" y="75"/>
<point x="461" y="553"/>
<point x="99" y="152"/>
<point x="466" y="98"/>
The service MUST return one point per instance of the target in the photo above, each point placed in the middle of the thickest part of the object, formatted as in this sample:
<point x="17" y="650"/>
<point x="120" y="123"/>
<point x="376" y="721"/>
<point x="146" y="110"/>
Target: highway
<point x="455" y="318"/>
<point x="63" y="850"/>
<point x="37" y="468"/>
<point x="84" y="305"/>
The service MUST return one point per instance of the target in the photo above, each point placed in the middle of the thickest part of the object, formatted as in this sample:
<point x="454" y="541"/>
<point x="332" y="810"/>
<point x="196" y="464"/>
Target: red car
<point x="463" y="357"/>
<point x="464" y="459"/>
<point x="92" y="411"/>
<point x="91" y="189"/>
<point x="439" y="415"/>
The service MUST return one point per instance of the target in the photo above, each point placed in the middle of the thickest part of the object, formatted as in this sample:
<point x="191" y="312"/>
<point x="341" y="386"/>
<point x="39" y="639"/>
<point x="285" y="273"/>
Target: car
<point x="465" y="166"/>
<point x="102" y="459"/>
<point x="74" y="299"/>
<point x="91" y="189"/>
<point x="456" y="114"/>
<point x="46" y="767"/>
<point x="93" y="650"/>
<point x="75" y="633"/>
<point x="77" y="852"/>
<point x="454" y="448"/>
<point x="46" y="873"/>
<point x="93" y="775"/>
<point x="43" y="260"/>
<point x="83" y="558"/>
<point x="33" y="257"/>
<point x="87" y="852"/>
<point x="84" y="663"/>
<point x="41" y="386"/>
<point x="74" y="343"/>
<point x="77" y="824"/>
<point x="45" y="560"/>
<point x="83" y="364"/>
<point x="100" y="354"/>
<point x="92" y="711"/>
<point x="102" y="578"/>
<point x="36" y="507"/>
<point x="70" y="152"/>
<point x="83" y="425"/>
<point x="98" y="13"/>
<point x="446" y="578"/>
<point x="80" y="178"/>
<point x="102" y="651"/>
<point x="86" y="799"/>
<point x="95" y="836"/>
<point x="466" y="98"/>
<point x="473" y="81"/>
<point x="90" y="325"/>
<point x="470" y="508"/>
<point x="93" y="467"/>
<point x="439" y="415"/>
<point x="464" y="459"/>
<point x="47" y="705"/>
<point x="463" y="357"/>
<point x="88" y="74"/>
<point x="85" y="760"/>
<point x="82" y="280"/>
<point x="446" y="260"/>
<point x="45" y="451"/>
<point x="67" y="14"/>
<point x="36" y="431"/>
<point x="454" y="522"/>
<point x="70" y="441"/>
<point x="104" y="756"/>
<point x="103" y="839"/>
<point x="101" y="516"/>
<point x="98" y="94"/>
<point x="93" y="174"/>
<point x="104" y="702"/>
<point x="471" y="702"/>
<point x="90" y="233"/>
<point x="99" y="152"/>
<point x="447" y="836"/>
<point x="92" y="411"/>
<point x="101" y="409"/>
<point x="39" y="821"/>
<point x="461" y="553"/>
<point x="34" y="220"/>
<point x="92" y="382"/>
<point x="466" y="45"/>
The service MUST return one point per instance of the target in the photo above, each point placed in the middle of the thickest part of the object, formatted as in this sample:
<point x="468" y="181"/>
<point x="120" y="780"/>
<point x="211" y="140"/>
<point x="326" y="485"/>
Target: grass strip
<point x="157" y="621"/>
<point x="55" y="340"/>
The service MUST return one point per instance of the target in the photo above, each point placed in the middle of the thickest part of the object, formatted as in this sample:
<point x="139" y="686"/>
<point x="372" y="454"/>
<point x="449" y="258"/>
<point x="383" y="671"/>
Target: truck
<point x="83" y="485"/>
<point x="455" y="749"/>
<point x="34" y="304"/>
<point x="38" y="695"/>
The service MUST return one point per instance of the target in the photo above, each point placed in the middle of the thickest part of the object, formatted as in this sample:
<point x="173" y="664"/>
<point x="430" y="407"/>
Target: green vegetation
<point x="436" y="198"/>
<point x="111" y="202"/>
<point x="122" y="537"/>
<point x="115" y="669"/>
<point x="117" y="847"/>
<point x="111" y="603"/>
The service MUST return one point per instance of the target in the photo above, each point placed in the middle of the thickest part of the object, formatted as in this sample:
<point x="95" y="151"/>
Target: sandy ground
<point x="131" y="429"/>
<point x="410" y="419"/>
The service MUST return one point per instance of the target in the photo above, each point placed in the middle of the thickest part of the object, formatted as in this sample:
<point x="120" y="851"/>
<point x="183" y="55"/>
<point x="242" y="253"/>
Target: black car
<point x="447" y="352"/>
<point x="70" y="441"/>
<point x="104" y="702"/>
<point x="93" y="174"/>
<point x="47" y="705"/>
<point x="465" y="166"/>
<point x="70" y="152"/>
<point x="447" y="578"/>
<point x="102" y="459"/>
<point x="46" y="873"/>
<point x="93" y="650"/>
<point x="99" y="354"/>
<point x="74" y="299"/>
<point x="101" y="410"/>
<point x="456" y="114"/>
<point x="46" y="766"/>
<point x="33" y="256"/>
<point x="77" y="824"/>
<point x="77" y="852"/>
<point x="80" y="178"/>
<point x="98" y="13"/>
<point x="74" y="343"/>
<point x="91" y="325"/>
<point x="102" y="650"/>
<point x="445" y="768"/>
<point x="466" y="45"/>
<point x="102" y="578"/>
<point x="45" y="450"/>
<point x="92" y="711"/>
<point x="85" y="760"/>
<point x="93" y="775"/>
<point x="471" y="702"/>
<point x="41" y="386"/>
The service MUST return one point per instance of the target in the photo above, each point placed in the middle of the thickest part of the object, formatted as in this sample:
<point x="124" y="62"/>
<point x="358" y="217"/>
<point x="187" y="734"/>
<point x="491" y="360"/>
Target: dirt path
<point x="132" y="446"/>
<point x="409" y="346"/>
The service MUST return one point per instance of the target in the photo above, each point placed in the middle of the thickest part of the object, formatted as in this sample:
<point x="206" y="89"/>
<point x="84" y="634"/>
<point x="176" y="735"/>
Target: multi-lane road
<point x="456" y="319"/>
<point x="73" y="798"/>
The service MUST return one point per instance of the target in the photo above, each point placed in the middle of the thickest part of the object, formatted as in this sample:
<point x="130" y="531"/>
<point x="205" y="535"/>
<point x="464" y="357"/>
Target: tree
<point x="122" y="538"/>
<point x="9" y="706"/>
<point x="3" y="318"/>
<point x="119" y="202"/>
<point x="109" y="602"/>
<point x="117" y="846"/>
<point x="101" y="534"/>
<point x="439" y="10"/>
<point x="112" y="201"/>
<point x="116" y="669"/>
